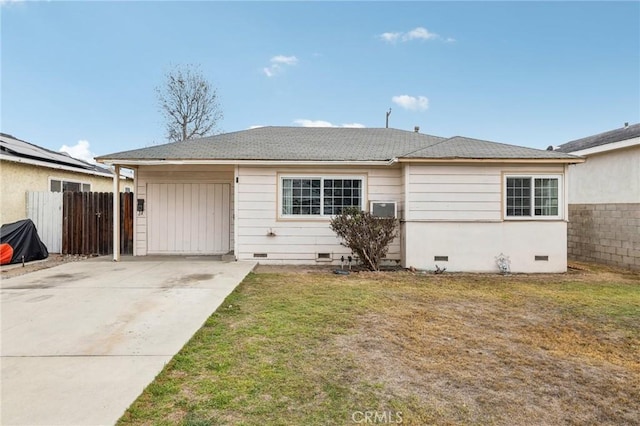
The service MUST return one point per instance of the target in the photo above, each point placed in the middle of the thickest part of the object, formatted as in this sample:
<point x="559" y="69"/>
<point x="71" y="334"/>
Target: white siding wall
<point x="461" y="192"/>
<point x="299" y="241"/>
<point x="456" y="211"/>
<point x="608" y="177"/>
<point x="176" y="174"/>
<point x="454" y="193"/>
<point x="450" y="210"/>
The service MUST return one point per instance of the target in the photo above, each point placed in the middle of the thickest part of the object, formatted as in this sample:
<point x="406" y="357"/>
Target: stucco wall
<point x="473" y="247"/>
<point x="609" y="177"/>
<point x="18" y="178"/>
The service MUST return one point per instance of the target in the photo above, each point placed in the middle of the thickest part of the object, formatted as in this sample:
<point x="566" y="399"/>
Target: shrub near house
<point x="367" y="236"/>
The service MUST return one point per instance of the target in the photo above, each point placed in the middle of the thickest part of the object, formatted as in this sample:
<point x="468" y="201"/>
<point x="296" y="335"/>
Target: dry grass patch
<point x="510" y="352"/>
<point x="314" y="348"/>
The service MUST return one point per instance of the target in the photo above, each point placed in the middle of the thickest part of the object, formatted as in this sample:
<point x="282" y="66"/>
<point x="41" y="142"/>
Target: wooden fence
<point x="87" y="223"/>
<point x="45" y="210"/>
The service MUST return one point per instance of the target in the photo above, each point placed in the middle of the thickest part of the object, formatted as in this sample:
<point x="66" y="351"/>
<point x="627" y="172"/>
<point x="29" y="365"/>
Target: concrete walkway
<point x="81" y="341"/>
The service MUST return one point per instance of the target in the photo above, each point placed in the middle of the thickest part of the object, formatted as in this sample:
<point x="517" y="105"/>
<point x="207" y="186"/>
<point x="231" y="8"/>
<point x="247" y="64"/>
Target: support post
<point x="135" y="213"/>
<point x="116" y="213"/>
<point x="236" y="193"/>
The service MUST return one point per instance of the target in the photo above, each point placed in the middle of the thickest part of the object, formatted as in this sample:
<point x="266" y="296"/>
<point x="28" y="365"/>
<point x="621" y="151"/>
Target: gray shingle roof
<point x="468" y="148"/>
<point x="617" y="135"/>
<point x="328" y="144"/>
<point x="289" y="143"/>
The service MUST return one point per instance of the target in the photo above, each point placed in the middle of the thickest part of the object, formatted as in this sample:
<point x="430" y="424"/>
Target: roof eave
<point x="158" y="162"/>
<point x="612" y="146"/>
<point x="55" y="166"/>
<point x="574" y="160"/>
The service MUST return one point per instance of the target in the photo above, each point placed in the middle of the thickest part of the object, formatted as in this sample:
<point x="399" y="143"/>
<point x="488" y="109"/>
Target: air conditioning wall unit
<point x="384" y="209"/>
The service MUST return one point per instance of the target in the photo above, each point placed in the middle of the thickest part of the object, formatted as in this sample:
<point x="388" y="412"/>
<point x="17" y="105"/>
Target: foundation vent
<point x="541" y="258"/>
<point x="441" y="258"/>
<point x="263" y="255"/>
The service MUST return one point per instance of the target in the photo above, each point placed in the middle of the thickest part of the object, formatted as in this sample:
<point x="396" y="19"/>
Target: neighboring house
<point x="268" y="194"/>
<point x="604" y="200"/>
<point x="28" y="167"/>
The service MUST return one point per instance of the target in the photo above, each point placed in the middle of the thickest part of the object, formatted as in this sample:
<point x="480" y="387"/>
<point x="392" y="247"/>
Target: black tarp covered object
<point x="23" y="237"/>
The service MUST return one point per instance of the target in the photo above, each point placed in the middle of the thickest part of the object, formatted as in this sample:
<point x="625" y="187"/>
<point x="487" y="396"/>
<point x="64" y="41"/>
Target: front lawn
<point x="316" y="348"/>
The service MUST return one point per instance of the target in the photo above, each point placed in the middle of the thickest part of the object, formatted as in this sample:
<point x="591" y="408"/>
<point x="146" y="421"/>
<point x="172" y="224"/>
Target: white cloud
<point x="278" y="63"/>
<point x="286" y="60"/>
<point x="312" y="123"/>
<point x="126" y="172"/>
<point x="390" y="37"/>
<point x="412" y="103"/>
<point x="418" y="33"/>
<point x="10" y="2"/>
<point x="80" y="151"/>
<point x="268" y="72"/>
<point x="303" y="122"/>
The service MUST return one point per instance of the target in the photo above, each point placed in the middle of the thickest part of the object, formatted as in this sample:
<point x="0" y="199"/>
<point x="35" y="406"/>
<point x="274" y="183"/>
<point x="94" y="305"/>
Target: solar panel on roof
<point x="26" y="149"/>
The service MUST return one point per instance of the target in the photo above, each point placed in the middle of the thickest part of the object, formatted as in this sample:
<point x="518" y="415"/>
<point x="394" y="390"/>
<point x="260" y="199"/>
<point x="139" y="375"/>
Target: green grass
<point x="454" y="349"/>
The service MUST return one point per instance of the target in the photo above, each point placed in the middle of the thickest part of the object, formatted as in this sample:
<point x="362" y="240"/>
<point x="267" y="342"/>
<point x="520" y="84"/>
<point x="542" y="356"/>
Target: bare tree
<point x="189" y="104"/>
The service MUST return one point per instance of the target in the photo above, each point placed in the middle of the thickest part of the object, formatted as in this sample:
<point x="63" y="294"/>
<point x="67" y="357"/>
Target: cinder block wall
<point x="605" y="233"/>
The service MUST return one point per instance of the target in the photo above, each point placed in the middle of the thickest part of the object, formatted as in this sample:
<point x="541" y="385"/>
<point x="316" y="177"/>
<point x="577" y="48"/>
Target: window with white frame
<point x="320" y="196"/>
<point x="532" y="196"/>
<point x="62" y="185"/>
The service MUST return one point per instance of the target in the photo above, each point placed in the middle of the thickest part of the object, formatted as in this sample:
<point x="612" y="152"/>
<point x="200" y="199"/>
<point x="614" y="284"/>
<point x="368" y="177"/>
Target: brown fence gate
<point x="87" y="223"/>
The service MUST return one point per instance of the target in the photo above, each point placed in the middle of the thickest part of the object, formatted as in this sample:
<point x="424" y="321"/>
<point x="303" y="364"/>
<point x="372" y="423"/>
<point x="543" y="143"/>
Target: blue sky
<point x="82" y="74"/>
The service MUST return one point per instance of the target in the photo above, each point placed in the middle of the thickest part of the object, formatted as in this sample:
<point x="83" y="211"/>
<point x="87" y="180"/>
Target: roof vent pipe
<point x="626" y="124"/>
<point x="416" y="129"/>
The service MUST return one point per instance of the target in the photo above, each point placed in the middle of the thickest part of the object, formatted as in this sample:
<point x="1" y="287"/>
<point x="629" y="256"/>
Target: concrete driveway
<point x="80" y="341"/>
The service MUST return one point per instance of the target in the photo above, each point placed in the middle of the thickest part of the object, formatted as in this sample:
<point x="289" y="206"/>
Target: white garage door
<point x="188" y="218"/>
